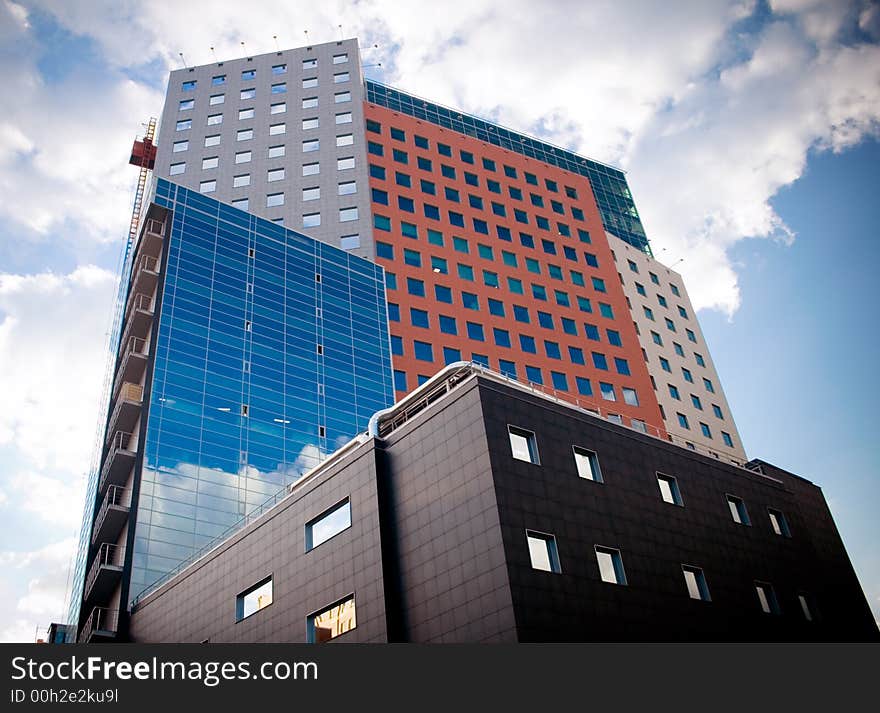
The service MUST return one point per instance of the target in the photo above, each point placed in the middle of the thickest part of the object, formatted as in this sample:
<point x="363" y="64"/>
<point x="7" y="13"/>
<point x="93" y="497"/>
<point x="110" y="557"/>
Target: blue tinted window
<point x="447" y="171"/>
<point x="384" y="250"/>
<point x="393" y="312"/>
<point x="424" y="164"/>
<point x="399" y="380"/>
<point x="448" y="325"/>
<point x="576" y="278"/>
<point x="561" y="298"/>
<point x="475" y="331"/>
<point x="542" y="222"/>
<point x="502" y="337"/>
<point x="481" y="226"/>
<point x="521" y="314"/>
<point x="423" y="351"/>
<point x="539" y="292"/>
<point x="471" y="179"/>
<point x="613" y="337"/>
<point x="584" y="304"/>
<point x="526" y="240"/>
<point x="552" y="350"/>
<point x="377" y="171"/>
<point x="480" y="359"/>
<point x="584" y="387"/>
<point x="398" y="134"/>
<point x="374" y="126"/>
<point x="439" y="265"/>
<point x="431" y="211"/>
<point x="466" y="156"/>
<point x="568" y="326"/>
<point x="418" y="317"/>
<point x="406" y="204"/>
<point x="450" y="355"/>
<point x="470" y="300"/>
<point x="527" y="344"/>
<point x="465" y="272"/>
<point x="428" y="187"/>
<point x="456" y="219"/>
<point x="514" y="285"/>
<point x="559" y="381"/>
<point x="496" y="307"/>
<point x="545" y="320"/>
<point x="592" y="331"/>
<point x="607" y="391"/>
<point x="421" y="141"/>
<point x="549" y="247"/>
<point x="508" y="368"/>
<point x="599" y="361"/>
<point x="396" y="345"/>
<point x="409" y="230"/>
<point x="402" y="179"/>
<point x="576" y="355"/>
<point x="503" y="233"/>
<point x="533" y="374"/>
<point x="493" y="186"/>
<point x="598" y="284"/>
<point x="622" y="366"/>
<point x="400" y="156"/>
<point x="375" y="149"/>
<point x="521" y="216"/>
<point x="510" y="171"/>
<point x="443" y="294"/>
<point x="415" y="287"/>
<point x="490" y="278"/>
<point x="606" y="311"/>
<point x="444" y="150"/>
<point x="584" y="236"/>
<point x="381" y="222"/>
<point x="412" y="257"/>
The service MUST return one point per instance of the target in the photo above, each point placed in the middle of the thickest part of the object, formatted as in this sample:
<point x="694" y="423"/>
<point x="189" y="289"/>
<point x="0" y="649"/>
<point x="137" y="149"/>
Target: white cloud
<point x="52" y="356"/>
<point x="44" y="573"/>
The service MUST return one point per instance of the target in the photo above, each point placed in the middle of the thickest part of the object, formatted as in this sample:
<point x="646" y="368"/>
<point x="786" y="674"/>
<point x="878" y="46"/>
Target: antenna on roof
<point x="182" y="59"/>
<point x="243" y="48"/>
<point x="372" y="47"/>
<point x="364" y="66"/>
<point x="676" y="263"/>
<point x="306" y="33"/>
<point x="340" y="32"/>
<point x="214" y="53"/>
<point x="277" y="48"/>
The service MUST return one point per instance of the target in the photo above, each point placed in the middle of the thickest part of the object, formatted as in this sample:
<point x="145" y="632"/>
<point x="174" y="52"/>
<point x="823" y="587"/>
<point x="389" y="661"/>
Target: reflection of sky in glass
<point x="606" y="566"/>
<point x="256" y="599"/>
<point x="242" y="403"/>
<point x="540" y="553"/>
<point x="329" y="525"/>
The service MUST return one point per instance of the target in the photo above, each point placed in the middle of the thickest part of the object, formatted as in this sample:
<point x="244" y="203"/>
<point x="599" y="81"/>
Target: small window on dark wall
<point x="331" y="622"/>
<point x="587" y="464"/>
<point x="523" y="445"/>
<point x="253" y="599"/>
<point x="542" y="551"/>
<point x="328" y="524"/>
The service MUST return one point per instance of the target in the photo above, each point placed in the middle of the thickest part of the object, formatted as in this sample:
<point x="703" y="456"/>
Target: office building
<point x="248" y="353"/>
<point x="479" y="509"/>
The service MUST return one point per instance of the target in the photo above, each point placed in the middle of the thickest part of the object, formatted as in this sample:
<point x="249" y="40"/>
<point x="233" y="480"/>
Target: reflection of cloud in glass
<point x="186" y="508"/>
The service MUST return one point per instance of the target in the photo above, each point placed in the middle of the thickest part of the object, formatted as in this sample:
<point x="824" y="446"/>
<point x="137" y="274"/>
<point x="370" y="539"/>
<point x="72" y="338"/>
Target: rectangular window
<point x="208" y="186"/>
<point x="347" y="188"/>
<point x="767" y="598"/>
<point x="274" y="199"/>
<point x="252" y="600"/>
<point x="328" y="524"/>
<point x="176" y="168"/>
<point x="279" y="88"/>
<point x="345" y="140"/>
<point x="277" y="129"/>
<point x="311" y="145"/>
<point x="778" y="522"/>
<point x="310" y="194"/>
<point x="243" y="157"/>
<point x="311" y="220"/>
<point x="669" y="489"/>
<point x="343" y="118"/>
<point x="214" y="119"/>
<point x="696" y="583"/>
<point x="738" y="510"/>
<point x="275" y="174"/>
<point x="340" y="58"/>
<point x="331" y="622"/>
<point x="241" y="180"/>
<point x="523" y="445"/>
<point x="610" y="565"/>
<point x="808" y="608"/>
<point x="340" y="77"/>
<point x="543" y="552"/>
<point x="587" y="464"/>
<point x="183" y="125"/>
<point x="346" y="215"/>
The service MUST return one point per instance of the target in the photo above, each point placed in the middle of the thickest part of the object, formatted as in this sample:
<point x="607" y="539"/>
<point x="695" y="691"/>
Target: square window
<point x="738" y="510"/>
<point x="587" y="464"/>
<point x="328" y="524"/>
<point x="767" y="598"/>
<point x="610" y="565"/>
<point x="695" y="581"/>
<point x="252" y="600"/>
<point x="543" y="552"/>
<point x="331" y="622"/>
<point x="523" y="445"/>
<point x="669" y="489"/>
<point x="778" y="522"/>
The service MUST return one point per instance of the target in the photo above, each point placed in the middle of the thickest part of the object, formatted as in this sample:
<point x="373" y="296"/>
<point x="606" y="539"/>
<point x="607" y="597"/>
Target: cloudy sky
<point x="749" y="131"/>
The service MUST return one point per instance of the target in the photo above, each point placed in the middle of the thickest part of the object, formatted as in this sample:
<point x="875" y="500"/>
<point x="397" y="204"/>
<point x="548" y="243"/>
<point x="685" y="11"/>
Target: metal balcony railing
<point x="101" y="621"/>
<point x="135" y="351"/>
<point x="118" y="459"/>
<point x="117" y="501"/>
<point x="108" y="556"/>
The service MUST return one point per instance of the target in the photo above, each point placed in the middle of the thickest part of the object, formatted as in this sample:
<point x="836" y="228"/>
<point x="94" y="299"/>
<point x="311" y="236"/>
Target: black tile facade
<point x="437" y="550"/>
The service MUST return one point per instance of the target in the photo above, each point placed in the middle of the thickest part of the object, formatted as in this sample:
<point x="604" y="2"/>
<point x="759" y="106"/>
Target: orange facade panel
<point x="498" y="258"/>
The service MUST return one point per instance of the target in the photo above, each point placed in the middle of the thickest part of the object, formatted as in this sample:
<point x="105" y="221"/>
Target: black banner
<point x="347" y="677"/>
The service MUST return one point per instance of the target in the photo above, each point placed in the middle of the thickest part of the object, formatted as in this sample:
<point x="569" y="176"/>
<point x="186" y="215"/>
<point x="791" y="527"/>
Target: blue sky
<point x="748" y="129"/>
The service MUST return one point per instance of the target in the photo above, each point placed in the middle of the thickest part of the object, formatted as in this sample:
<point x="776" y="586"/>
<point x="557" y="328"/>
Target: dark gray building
<point x="478" y="509"/>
